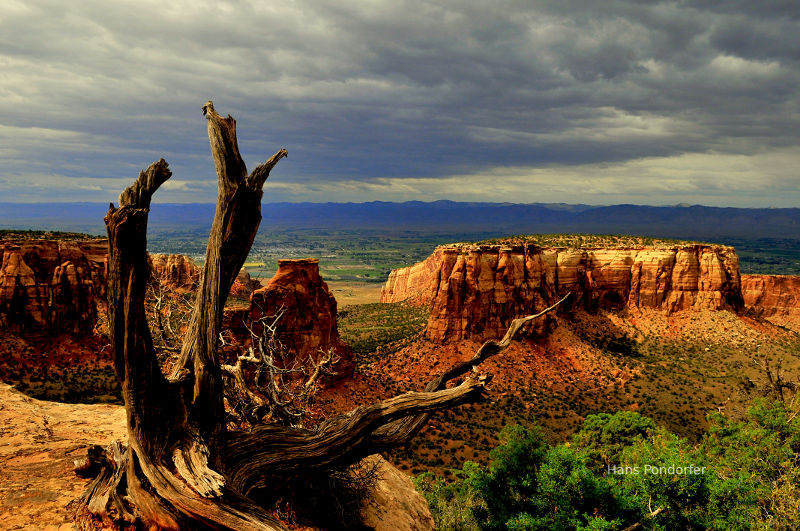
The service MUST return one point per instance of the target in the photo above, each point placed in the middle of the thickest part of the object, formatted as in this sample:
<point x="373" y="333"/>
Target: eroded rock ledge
<point x="773" y="297"/>
<point x="41" y="440"/>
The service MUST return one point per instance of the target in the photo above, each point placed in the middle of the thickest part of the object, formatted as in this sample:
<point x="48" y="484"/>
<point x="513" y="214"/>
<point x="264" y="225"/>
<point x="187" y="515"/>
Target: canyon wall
<point x="51" y="285"/>
<point x="56" y="286"/>
<point x="773" y="297"/>
<point x="474" y="291"/>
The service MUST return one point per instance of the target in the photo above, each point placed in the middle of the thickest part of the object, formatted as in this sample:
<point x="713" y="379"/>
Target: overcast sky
<point x="532" y="101"/>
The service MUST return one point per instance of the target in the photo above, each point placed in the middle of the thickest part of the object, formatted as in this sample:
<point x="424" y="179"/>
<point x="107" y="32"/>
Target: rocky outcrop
<point x="56" y="285"/>
<point x="41" y="440"/>
<point x="394" y="503"/>
<point x="474" y="291"/>
<point x="51" y="285"/>
<point x="177" y="271"/>
<point x="244" y="285"/>
<point x="174" y="270"/>
<point x="308" y="324"/>
<point x="74" y="295"/>
<point x="417" y="283"/>
<point x="773" y="297"/>
<point x="23" y="300"/>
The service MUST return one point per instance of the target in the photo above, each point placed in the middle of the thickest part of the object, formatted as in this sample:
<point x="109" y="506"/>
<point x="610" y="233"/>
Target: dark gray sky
<point x="642" y="101"/>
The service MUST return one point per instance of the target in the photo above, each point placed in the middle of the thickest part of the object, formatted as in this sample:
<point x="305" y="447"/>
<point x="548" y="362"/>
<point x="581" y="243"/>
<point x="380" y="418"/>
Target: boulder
<point x="394" y="504"/>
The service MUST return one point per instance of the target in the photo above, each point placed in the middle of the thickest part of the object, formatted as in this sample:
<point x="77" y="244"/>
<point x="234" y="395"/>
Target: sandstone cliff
<point x="308" y="324"/>
<point x="174" y="270"/>
<point x="51" y="285"/>
<point x="773" y="297"/>
<point x="474" y="291"/>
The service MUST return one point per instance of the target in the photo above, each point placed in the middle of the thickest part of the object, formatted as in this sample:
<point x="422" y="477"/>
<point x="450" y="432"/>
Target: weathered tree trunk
<point x="182" y="468"/>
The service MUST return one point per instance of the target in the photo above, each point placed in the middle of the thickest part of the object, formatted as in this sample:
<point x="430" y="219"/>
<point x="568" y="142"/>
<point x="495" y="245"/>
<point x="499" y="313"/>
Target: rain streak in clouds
<point x="640" y="102"/>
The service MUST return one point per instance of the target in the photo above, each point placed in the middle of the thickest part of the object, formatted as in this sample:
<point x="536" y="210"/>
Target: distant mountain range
<point x="682" y="221"/>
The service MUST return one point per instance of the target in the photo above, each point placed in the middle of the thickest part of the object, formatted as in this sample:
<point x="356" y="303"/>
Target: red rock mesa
<point x="474" y="291"/>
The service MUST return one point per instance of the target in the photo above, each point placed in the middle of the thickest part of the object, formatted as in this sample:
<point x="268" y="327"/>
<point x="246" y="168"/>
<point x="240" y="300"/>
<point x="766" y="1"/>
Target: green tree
<point x="603" y="436"/>
<point x="757" y="468"/>
<point x="743" y="475"/>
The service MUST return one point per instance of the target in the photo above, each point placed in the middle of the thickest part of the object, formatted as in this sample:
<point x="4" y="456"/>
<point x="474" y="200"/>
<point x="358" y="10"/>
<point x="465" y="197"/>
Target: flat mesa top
<point x="587" y="241"/>
<point x="297" y="261"/>
<point x="17" y="234"/>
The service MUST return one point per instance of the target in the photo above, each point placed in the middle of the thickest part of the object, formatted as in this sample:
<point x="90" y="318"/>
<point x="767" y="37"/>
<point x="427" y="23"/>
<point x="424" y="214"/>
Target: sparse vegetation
<point x="73" y="370"/>
<point x="378" y="328"/>
<point x="584" y="241"/>
<point x="23" y="234"/>
<point x="675" y="370"/>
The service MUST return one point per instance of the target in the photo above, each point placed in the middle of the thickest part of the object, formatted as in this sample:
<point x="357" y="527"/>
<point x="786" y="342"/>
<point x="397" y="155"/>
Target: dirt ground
<point x="347" y="292"/>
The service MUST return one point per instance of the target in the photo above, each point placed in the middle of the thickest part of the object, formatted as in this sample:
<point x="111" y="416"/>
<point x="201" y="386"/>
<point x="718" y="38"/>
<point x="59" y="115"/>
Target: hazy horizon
<point x="431" y="202"/>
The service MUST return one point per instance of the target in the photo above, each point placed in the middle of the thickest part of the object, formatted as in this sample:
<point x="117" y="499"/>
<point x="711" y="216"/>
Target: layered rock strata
<point x="474" y="291"/>
<point x="308" y="325"/>
<point x="50" y="285"/>
<point x="177" y="271"/>
<point x="773" y="297"/>
<point x="174" y="270"/>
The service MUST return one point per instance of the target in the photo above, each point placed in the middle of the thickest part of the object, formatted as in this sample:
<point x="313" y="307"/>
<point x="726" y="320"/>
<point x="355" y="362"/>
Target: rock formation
<point x="474" y="291"/>
<point x="244" y="285"/>
<point x="177" y="271"/>
<point x="51" y="285"/>
<point x="773" y="297"/>
<point x="308" y="324"/>
<point x="394" y="504"/>
<point x="174" y="270"/>
<point x="73" y="298"/>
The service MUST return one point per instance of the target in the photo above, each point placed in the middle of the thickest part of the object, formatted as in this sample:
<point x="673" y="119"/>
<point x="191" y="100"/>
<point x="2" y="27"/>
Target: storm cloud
<point x="646" y="102"/>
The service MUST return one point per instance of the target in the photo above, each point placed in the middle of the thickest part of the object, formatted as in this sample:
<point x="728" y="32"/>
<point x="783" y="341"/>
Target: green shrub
<point x="742" y="475"/>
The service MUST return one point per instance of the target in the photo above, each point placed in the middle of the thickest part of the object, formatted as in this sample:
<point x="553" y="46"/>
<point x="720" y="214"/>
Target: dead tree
<point x="168" y="309"/>
<point x="266" y="383"/>
<point x="183" y="467"/>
